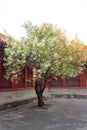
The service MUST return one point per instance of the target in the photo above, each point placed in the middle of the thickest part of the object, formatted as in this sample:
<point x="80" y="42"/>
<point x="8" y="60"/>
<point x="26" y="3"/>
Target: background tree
<point x="47" y="49"/>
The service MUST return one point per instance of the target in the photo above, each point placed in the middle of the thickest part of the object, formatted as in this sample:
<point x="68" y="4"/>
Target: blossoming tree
<point x="47" y="49"/>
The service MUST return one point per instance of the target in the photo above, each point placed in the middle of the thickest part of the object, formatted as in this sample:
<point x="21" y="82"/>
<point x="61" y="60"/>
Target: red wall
<point x="25" y="81"/>
<point x="77" y="82"/>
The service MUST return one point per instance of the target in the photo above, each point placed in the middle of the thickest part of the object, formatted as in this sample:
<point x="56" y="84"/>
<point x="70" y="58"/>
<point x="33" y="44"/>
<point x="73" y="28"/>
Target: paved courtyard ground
<point x="59" y="114"/>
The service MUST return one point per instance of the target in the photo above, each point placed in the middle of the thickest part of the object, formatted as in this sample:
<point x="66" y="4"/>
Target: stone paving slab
<point x="58" y="114"/>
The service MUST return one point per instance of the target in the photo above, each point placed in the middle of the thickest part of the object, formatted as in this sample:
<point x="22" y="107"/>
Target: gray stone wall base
<point x="6" y="97"/>
<point x="13" y="96"/>
<point x="67" y="91"/>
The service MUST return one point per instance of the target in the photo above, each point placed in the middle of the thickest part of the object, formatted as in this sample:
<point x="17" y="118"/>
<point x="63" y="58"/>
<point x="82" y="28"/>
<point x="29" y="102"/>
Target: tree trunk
<point x="39" y="89"/>
<point x="40" y="86"/>
<point x="40" y="100"/>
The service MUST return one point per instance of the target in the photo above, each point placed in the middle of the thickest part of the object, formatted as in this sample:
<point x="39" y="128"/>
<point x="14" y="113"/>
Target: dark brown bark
<point x="40" y="100"/>
<point x="39" y="91"/>
<point x="40" y="86"/>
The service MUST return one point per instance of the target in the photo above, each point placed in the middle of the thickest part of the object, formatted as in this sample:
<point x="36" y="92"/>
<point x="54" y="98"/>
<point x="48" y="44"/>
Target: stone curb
<point x="15" y="104"/>
<point x="78" y="96"/>
<point x="11" y="104"/>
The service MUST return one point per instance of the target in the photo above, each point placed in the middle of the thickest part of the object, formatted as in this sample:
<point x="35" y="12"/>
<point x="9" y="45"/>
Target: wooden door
<point x="85" y="78"/>
<point x="4" y="83"/>
<point x="28" y="76"/>
<point x="21" y="81"/>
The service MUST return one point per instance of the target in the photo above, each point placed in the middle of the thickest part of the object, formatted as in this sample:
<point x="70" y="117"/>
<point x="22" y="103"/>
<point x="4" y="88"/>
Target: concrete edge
<point x="77" y="96"/>
<point x="15" y="104"/>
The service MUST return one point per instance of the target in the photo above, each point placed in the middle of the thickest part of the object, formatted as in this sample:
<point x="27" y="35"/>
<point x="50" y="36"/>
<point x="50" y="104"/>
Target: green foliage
<point x="15" y="58"/>
<point x="44" y="47"/>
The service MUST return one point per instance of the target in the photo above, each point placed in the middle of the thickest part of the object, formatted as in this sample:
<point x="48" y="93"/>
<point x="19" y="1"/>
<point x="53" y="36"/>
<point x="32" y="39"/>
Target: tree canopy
<point x="44" y="46"/>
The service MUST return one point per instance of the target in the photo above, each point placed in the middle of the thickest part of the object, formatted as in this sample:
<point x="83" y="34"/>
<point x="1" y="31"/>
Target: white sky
<point x="70" y="15"/>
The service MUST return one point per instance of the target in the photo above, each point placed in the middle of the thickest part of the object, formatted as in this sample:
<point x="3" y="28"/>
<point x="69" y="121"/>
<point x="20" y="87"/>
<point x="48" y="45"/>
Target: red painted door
<point x="4" y="83"/>
<point x="28" y="77"/>
<point x="85" y="78"/>
<point x="21" y="81"/>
